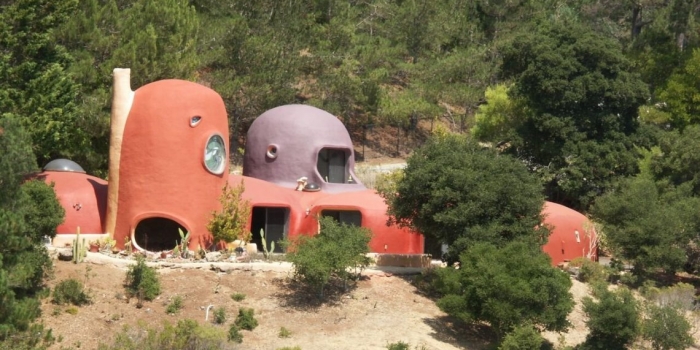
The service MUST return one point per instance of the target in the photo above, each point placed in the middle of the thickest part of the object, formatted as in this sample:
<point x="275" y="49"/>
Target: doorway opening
<point x="273" y="220"/>
<point x="157" y="234"/>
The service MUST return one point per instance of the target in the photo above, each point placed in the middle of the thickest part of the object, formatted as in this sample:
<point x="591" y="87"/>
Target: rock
<point x="213" y="256"/>
<point x="65" y="255"/>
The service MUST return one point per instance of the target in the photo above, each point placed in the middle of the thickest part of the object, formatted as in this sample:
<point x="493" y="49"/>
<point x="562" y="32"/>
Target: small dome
<point x="64" y="165"/>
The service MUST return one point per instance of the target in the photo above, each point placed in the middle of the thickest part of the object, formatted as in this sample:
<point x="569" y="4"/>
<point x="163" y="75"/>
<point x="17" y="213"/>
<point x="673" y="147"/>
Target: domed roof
<point x="63" y="165"/>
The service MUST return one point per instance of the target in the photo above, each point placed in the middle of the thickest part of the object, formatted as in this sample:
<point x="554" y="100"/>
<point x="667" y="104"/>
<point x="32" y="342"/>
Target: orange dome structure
<point x="172" y="165"/>
<point x="83" y="197"/>
<point x="572" y="234"/>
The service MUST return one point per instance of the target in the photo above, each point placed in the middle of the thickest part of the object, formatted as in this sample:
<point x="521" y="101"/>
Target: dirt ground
<point x="381" y="309"/>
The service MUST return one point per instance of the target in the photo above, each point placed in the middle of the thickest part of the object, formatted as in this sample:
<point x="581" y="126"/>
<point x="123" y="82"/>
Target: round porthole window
<point x="271" y="151"/>
<point x="215" y="154"/>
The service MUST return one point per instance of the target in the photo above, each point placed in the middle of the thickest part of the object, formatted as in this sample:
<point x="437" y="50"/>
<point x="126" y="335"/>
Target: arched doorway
<point x="157" y="234"/>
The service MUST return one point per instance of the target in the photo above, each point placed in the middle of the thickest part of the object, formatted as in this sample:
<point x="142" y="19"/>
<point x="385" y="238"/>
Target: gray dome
<point x="64" y="165"/>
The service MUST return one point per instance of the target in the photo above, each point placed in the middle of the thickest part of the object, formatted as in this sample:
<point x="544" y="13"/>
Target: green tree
<point x="28" y="213"/>
<point x="498" y="118"/>
<point x="613" y="321"/>
<point x="330" y="254"/>
<point x="157" y="40"/>
<point x="34" y="83"/>
<point x="583" y="101"/>
<point x="649" y="225"/>
<point x="509" y="287"/>
<point x="461" y="193"/>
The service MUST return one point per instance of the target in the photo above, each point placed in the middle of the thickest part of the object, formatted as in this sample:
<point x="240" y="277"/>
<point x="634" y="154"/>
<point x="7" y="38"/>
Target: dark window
<point x="274" y="222"/>
<point x="349" y="217"/>
<point x="331" y="165"/>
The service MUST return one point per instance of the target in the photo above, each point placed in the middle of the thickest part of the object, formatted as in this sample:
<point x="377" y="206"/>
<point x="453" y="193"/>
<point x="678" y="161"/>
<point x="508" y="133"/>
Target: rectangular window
<point x="349" y="217"/>
<point x="331" y="165"/>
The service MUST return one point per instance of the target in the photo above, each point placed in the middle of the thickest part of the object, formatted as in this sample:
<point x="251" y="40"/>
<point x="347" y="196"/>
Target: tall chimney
<point x="122" y="99"/>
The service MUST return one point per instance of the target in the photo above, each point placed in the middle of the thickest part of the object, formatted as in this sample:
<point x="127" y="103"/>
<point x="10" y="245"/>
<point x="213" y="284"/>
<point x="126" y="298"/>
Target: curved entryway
<point x="157" y="234"/>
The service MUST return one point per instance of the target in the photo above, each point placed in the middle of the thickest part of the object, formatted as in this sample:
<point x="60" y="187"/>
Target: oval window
<point x="215" y="154"/>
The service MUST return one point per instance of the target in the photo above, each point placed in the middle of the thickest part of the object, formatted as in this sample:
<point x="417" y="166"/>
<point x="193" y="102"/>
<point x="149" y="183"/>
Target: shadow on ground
<point x="450" y="330"/>
<point x="295" y="295"/>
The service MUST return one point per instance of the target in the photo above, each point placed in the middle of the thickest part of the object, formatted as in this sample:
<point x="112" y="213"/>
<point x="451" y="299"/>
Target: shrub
<point x="142" y="280"/>
<point x="613" y="321"/>
<point x="285" y="333"/>
<point x="330" y="254"/>
<point x="681" y="295"/>
<point x="524" y="337"/>
<point x="507" y="287"/>
<point x="590" y="270"/>
<point x="70" y="291"/>
<point x="186" y="335"/>
<point x="231" y="222"/>
<point x="220" y="315"/>
<point x="175" y="305"/>
<point x="246" y="319"/>
<point x="234" y="334"/>
<point x="398" y="346"/>
<point x="238" y="296"/>
<point x="666" y="328"/>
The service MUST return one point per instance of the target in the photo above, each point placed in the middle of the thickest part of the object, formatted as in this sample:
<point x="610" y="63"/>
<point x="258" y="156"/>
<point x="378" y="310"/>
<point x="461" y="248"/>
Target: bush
<point x="680" y="296"/>
<point x="284" y="333"/>
<point x="231" y="222"/>
<point x="330" y="254"/>
<point x="238" y="296"/>
<point x="613" y="321"/>
<point x="220" y="315"/>
<point x="142" y="281"/>
<point x="666" y="328"/>
<point x="590" y="270"/>
<point x="398" y="346"/>
<point x="70" y="291"/>
<point x="507" y="287"/>
<point x="175" y="305"/>
<point x="246" y="319"/>
<point x="524" y="337"/>
<point x="186" y="335"/>
<point x="234" y="334"/>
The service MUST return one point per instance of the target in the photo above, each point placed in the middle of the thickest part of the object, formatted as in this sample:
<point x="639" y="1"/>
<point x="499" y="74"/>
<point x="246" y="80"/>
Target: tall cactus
<point x="264" y="244"/>
<point x="79" y="248"/>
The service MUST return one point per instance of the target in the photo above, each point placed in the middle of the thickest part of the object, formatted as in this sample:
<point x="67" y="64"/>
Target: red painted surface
<point x="564" y="223"/>
<point x="162" y="173"/>
<point x="385" y="239"/>
<point x="83" y="197"/>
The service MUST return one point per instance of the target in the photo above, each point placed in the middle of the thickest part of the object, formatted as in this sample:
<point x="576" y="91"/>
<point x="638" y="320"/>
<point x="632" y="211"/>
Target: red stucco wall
<point x="162" y="173"/>
<point x="83" y="197"/>
<point x="564" y="223"/>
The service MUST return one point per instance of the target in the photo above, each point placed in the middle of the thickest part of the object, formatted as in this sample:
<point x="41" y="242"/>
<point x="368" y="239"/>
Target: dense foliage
<point x="230" y="223"/>
<point x="142" y="280"/>
<point x="509" y="287"/>
<point x="336" y="252"/>
<point x="28" y="213"/>
<point x="613" y="320"/>
<point x="461" y="193"/>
